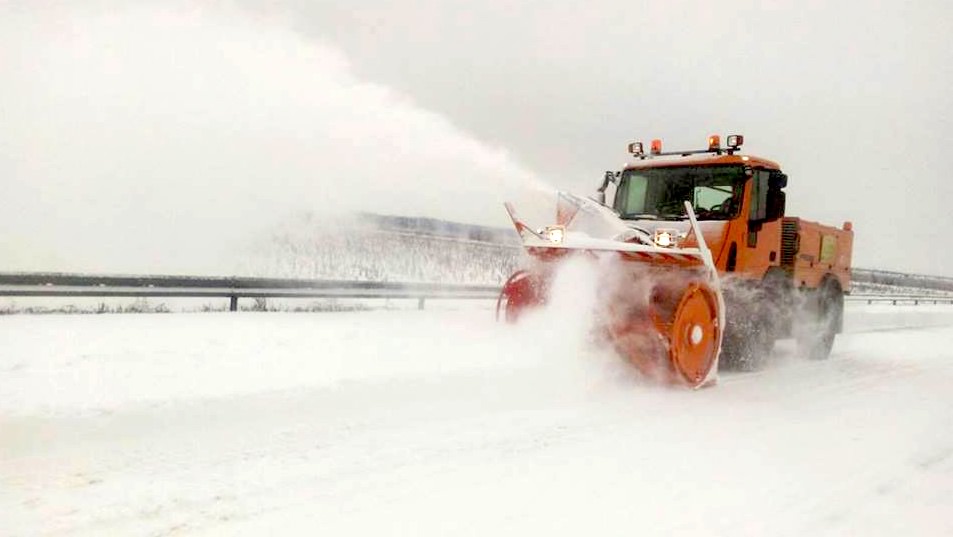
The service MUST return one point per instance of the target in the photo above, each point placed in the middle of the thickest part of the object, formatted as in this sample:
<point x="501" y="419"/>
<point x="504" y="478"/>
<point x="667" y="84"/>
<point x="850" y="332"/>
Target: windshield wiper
<point x="641" y="216"/>
<point x="673" y="216"/>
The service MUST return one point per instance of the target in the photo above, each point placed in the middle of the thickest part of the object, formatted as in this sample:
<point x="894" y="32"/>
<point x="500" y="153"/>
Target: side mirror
<point x="767" y="198"/>
<point x="776" y="198"/>
<point x="778" y="180"/>
<point x="776" y="202"/>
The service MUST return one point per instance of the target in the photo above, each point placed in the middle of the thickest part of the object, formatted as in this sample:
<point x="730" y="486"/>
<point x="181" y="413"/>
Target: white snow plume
<point x="160" y="138"/>
<point x="569" y="331"/>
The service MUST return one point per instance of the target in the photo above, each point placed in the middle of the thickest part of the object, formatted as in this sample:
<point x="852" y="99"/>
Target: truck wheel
<point x="822" y="318"/>
<point x="747" y="345"/>
<point x="751" y="326"/>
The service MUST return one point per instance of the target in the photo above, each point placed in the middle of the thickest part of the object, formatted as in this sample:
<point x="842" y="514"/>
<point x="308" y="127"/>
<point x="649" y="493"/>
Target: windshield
<point x="658" y="193"/>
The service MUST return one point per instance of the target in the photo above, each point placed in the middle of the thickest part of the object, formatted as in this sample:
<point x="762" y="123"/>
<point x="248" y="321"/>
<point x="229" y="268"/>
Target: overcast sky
<point x="160" y="137"/>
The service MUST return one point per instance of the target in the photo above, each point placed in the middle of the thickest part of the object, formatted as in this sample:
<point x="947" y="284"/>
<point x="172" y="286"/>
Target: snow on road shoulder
<point x="60" y="363"/>
<point x="860" y="317"/>
<point x="54" y="364"/>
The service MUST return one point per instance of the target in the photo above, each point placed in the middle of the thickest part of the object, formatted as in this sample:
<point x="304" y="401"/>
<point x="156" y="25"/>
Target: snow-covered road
<point x="442" y="422"/>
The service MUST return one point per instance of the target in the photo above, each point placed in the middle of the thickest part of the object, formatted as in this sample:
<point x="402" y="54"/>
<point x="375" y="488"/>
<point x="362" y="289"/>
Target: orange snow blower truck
<point x="700" y="265"/>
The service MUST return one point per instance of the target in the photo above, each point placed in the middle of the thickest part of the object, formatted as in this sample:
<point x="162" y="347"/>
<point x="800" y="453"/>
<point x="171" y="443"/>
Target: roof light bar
<point x="714" y="146"/>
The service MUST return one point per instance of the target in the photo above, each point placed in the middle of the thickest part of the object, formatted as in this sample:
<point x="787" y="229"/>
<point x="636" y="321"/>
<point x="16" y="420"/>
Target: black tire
<point x="753" y="322"/>
<point x="820" y="322"/>
<point x="746" y="344"/>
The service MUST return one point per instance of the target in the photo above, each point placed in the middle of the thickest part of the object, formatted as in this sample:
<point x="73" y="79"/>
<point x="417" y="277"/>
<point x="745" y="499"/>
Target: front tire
<point x="754" y="322"/>
<point x="747" y="344"/>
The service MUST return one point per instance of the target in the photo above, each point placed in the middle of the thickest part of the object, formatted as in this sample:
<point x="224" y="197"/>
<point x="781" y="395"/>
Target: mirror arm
<point x="609" y="178"/>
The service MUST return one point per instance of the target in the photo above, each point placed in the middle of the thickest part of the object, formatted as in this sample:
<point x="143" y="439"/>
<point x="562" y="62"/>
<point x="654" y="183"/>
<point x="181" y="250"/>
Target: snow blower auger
<point x="663" y="311"/>
<point x="667" y="311"/>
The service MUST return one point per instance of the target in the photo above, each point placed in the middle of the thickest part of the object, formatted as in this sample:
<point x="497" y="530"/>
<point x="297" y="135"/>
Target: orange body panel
<point x="822" y="250"/>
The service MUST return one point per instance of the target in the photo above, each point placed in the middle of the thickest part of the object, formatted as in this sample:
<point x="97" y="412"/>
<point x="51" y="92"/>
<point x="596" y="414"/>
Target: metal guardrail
<point x="83" y="285"/>
<point x="80" y="285"/>
<point x="897" y="300"/>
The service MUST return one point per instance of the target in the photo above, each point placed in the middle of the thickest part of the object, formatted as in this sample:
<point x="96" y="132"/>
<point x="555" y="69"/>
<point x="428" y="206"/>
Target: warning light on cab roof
<point x="637" y="149"/>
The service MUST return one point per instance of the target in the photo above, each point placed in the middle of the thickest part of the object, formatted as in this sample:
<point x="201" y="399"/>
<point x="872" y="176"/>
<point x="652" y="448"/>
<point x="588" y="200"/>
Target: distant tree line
<point x="900" y="279"/>
<point x="373" y="247"/>
<point x="442" y="228"/>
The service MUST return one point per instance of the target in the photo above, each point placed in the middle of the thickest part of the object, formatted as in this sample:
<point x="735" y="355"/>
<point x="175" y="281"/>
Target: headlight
<point x="666" y="237"/>
<point x="555" y="234"/>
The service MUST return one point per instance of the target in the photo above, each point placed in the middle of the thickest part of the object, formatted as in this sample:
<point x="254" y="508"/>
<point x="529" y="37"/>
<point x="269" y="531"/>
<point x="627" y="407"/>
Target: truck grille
<point x="789" y="242"/>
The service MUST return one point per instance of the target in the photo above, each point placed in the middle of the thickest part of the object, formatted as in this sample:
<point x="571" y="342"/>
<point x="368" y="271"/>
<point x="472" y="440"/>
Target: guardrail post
<point x="233" y="303"/>
<point x="420" y="303"/>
